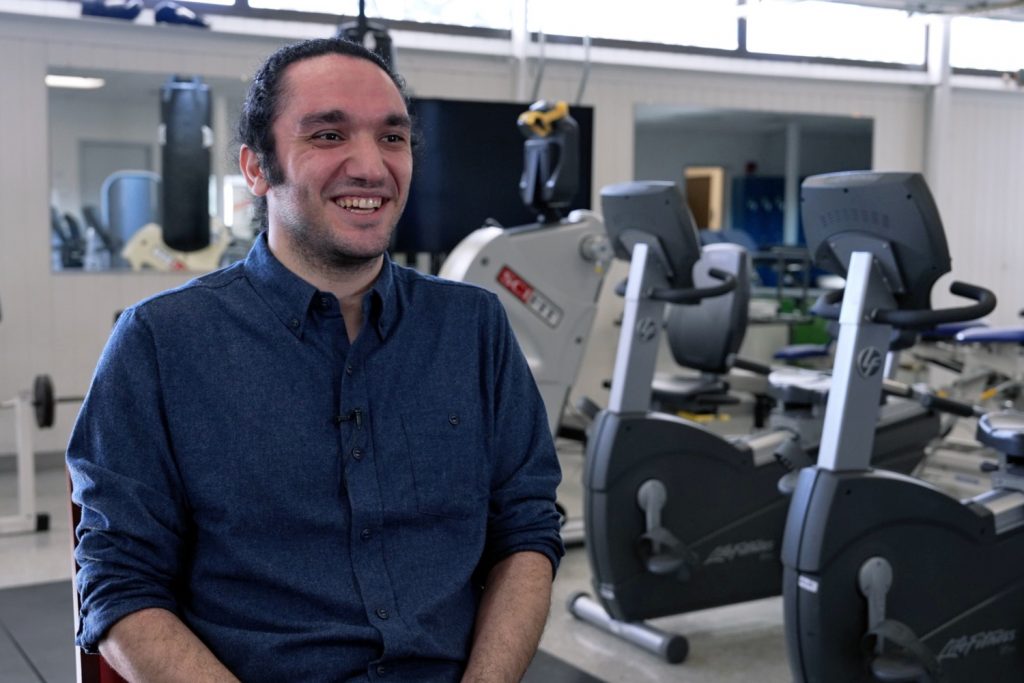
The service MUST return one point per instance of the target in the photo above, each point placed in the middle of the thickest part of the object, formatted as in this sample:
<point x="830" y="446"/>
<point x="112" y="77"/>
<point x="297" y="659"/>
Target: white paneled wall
<point x="983" y="204"/>
<point x="58" y="323"/>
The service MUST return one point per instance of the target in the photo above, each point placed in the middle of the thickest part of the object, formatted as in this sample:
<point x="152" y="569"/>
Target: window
<point x="695" y="23"/>
<point x="321" y="6"/>
<point x="836" y="31"/>
<point x="986" y="44"/>
<point x="491" y="14"/>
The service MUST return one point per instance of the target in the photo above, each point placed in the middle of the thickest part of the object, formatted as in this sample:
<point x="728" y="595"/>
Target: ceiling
<point x="993" y="9"/>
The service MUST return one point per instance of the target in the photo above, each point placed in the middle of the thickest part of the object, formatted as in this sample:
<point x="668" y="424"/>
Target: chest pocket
<point x="446" y="452"/>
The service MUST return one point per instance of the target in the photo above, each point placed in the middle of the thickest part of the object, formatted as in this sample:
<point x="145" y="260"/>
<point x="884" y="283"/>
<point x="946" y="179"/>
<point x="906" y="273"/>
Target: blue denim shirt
<point x="312" y="510"/>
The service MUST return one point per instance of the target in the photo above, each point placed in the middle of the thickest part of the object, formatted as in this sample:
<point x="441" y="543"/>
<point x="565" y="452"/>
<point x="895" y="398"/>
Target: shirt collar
<point x="289" y="296"/>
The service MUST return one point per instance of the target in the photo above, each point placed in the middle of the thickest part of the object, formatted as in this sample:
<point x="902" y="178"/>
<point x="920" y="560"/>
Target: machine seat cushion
<point x="676" y="389"/>
<point x="803" y="351"/>
<point x="991" y="335"/>
<point x="1003" y="431"/>
<point x="949" y="331"/>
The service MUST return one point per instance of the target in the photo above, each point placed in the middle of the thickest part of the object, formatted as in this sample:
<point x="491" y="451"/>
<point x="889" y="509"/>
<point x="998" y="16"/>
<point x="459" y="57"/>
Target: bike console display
<point x="892" y="215"/>
<point x="653" y="212"/>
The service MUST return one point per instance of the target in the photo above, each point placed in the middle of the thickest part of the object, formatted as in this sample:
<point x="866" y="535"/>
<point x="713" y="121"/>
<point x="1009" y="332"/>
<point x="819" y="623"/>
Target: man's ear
<point x="249" y="163"/>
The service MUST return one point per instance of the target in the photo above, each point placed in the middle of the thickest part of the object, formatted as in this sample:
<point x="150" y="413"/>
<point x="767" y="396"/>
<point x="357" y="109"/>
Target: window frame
<point x="241" y="9"/>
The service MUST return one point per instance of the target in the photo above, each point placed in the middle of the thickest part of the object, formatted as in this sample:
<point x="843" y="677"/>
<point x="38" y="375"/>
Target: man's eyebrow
<point x="318" y="118"/>
<point x="398" y="120"/>
<point x="337" y="116"/>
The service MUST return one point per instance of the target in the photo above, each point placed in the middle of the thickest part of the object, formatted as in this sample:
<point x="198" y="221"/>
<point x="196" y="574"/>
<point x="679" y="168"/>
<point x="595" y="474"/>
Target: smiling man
<point x="316" y="465"/>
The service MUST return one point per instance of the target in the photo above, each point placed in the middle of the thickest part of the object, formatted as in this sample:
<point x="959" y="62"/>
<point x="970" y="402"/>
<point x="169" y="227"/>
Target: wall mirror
<point x="736" y="165"/>
<point x="109" y="204"/>
<point x="741" y="171"/>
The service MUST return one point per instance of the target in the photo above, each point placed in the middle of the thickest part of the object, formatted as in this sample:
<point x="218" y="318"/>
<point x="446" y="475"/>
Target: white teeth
<point x="359" y="202"/>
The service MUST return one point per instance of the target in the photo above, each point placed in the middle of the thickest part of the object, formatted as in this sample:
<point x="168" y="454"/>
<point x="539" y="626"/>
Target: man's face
<point x="342" y="136"/>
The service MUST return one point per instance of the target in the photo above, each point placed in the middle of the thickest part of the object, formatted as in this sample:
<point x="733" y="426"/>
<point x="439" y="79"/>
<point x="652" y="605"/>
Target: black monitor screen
<point x="467" y="171"/>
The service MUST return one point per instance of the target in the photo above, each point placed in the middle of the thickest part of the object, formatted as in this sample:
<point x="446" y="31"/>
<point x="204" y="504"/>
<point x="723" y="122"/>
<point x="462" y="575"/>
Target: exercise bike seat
<point x="991" y="335"/>
<point x="722" y="322"/>
<point x="693" y="394"/>
<point x="1003" y="431"/>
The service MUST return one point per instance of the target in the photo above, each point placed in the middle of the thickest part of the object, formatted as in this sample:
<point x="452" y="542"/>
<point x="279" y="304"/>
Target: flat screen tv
<point x="467" y="171"/>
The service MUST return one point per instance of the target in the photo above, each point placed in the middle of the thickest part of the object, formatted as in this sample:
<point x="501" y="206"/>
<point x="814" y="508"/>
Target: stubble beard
<point x="315" y="244"/>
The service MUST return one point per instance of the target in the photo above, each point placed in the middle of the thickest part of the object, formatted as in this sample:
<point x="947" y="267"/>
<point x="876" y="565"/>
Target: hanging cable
<point x="586" y="70"/>
<point x="541" y="60"/>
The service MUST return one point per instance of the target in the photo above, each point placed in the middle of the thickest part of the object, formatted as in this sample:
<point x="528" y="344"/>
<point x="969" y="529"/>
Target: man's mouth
<point x="360" y="204"/>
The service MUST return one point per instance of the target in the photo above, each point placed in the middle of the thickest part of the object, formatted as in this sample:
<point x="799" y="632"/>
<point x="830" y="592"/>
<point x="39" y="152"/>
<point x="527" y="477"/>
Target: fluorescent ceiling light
<point x="78" y="82"/>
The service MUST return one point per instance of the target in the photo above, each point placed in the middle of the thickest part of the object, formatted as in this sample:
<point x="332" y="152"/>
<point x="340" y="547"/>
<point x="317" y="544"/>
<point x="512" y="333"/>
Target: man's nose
<point x="366" y="160"/>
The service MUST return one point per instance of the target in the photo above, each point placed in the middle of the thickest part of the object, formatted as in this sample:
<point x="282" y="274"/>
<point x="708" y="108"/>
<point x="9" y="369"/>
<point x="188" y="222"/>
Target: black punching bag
<point x="186" y="138"/>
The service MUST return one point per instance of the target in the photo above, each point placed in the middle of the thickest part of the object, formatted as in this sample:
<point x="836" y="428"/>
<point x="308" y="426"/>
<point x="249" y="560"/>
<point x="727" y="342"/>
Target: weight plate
<point x="43" y="401"/>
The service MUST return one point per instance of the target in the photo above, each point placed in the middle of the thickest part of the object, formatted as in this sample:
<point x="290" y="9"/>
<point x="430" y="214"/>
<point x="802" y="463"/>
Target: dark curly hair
<point x="260" y="109"/>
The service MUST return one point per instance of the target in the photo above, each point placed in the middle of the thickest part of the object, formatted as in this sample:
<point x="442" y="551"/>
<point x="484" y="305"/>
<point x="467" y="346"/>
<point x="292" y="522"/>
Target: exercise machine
<point x="34" y="408"/>
<point x="888" y="578"/>
<point x="680" y="518"/>
<point x="548" y="274"/>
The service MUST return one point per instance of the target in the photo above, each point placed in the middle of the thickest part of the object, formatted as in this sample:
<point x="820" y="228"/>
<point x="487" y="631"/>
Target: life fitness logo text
<point x="543" y="307"/>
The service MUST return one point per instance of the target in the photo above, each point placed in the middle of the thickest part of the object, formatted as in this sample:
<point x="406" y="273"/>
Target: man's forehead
<point x="337" y="66"/>
<point x="337" y="82"/>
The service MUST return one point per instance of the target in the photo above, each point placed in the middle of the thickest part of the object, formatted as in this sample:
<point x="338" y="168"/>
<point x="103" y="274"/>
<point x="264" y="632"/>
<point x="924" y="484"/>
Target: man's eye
<point x="394" y="138"/>
<point x="327" y="135"/>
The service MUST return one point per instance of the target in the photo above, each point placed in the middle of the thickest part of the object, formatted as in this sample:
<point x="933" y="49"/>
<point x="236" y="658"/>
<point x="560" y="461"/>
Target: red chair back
<point x="89" y="668"/>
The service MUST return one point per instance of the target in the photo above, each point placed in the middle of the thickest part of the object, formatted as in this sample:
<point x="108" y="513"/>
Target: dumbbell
<point x="44" y="401"/>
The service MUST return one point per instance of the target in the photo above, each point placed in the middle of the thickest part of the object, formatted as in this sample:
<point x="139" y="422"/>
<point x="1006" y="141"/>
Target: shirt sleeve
<point x="124" y="478"/>
<point x="522" y="513"/>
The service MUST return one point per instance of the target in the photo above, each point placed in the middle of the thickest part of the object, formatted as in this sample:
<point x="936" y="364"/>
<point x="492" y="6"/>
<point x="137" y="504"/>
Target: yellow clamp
<point x="542" y="120"/>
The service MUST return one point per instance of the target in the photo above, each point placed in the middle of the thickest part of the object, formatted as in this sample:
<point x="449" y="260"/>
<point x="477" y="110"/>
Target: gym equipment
<point x="454" y="193"/>
<point x="680" y="518"/>
<point x="38" y="404"/>
<point x="129" y="199"/>
<point x="27" y="519"/>
<point x="551" y="164"/>
<point x="994" y="353"/>
<point x="70" y="245"/>
<point x="44" y="401"/>
<point x="359" y="30"/>
<point x="112" y="9"/>
<point x="548" y="275"/>
<point x="886" y="577"/>
<point x="174" y="13"/>
<point x="185" y="141"/>
<point x="147" y="250"/>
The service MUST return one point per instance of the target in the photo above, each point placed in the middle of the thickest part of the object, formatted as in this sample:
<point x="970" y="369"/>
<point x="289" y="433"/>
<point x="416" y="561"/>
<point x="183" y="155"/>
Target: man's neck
<point x="347" y="284"/>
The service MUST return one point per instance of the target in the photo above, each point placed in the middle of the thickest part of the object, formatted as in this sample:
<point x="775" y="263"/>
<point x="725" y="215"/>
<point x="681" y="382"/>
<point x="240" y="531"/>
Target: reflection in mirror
<point x="741" y="171"/>
<point x="144" y="173"/>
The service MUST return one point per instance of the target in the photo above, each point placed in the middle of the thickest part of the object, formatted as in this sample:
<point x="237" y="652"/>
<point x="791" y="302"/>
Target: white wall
<point x="58" y="323"/>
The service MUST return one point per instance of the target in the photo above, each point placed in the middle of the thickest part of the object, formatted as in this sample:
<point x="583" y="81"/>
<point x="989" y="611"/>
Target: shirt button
<point x="453" y="419"/>
<point x="365" y="534"/>
<point x="348" y="369"/>
<point x="357" y="453"/>
<point x="382" y="670"/>
<point x="325" y="302"/>
<point x="382" y="613"/>
<point x="294" y="323"/>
